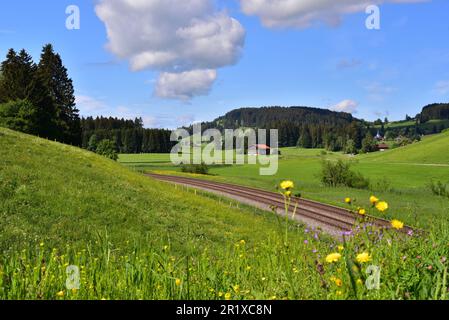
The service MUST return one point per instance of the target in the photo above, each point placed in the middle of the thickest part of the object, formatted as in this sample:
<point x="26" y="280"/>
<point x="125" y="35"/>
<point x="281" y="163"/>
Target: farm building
<point x="383" y="147"/>
<point x="259" y="149"/>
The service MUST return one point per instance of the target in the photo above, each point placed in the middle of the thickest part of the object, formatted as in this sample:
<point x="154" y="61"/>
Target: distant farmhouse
<point x="259" y="149"/>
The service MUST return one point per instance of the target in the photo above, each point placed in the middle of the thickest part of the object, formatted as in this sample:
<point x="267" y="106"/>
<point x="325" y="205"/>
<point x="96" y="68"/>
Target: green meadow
<point x="401" y="176"/>
<point x="131" y="237"/>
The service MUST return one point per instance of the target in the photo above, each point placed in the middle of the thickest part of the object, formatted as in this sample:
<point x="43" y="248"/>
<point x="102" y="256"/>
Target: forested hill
<point x="436" y="111"/>
<point x="261" y="117"/>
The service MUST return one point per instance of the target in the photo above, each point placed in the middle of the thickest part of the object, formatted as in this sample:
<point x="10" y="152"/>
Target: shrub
<point x="195" y="168"/>
<point x="106" y="148"/>
<point x="19" y="115"/>
<point x="340" y="174"/>
<point x="439" y="188"/>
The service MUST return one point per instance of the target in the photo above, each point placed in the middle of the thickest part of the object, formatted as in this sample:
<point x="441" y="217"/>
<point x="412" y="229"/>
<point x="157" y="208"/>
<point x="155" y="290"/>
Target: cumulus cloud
<point x="185" y="85"/>
<point x="349" y="106"/>
<point x="174" y="37"/>
<point x="305" y="13"/>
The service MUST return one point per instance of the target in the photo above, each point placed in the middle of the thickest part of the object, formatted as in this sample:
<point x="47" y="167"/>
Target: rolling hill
<point x="432" y="149"/>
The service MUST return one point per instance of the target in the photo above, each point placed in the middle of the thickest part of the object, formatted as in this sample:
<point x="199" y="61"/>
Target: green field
<point x="135" y="238"/>
<point x="402" y="176"/>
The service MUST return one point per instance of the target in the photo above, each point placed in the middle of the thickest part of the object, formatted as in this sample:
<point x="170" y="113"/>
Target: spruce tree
<point x="54" y="76"/>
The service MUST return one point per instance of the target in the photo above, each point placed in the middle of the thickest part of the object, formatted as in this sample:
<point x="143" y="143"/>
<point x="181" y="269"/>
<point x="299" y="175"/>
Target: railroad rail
<point x="331" y="219"/>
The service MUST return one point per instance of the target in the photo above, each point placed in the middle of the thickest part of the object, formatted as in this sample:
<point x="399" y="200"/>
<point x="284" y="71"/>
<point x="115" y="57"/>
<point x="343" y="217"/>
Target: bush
<point x="439" y="188"/>
<point x="19" y="115"/>
<point x="340" y="174"/>
<point x="195" y="168"/>
<point x="106" y="148"/>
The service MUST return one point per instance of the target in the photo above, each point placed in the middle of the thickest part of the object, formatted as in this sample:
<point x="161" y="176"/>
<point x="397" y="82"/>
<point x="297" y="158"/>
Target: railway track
<point x="331" y="219"/>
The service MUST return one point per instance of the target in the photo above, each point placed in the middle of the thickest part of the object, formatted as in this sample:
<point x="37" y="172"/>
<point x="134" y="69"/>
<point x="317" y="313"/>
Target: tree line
<point x="38" y="98"/>
<point x="127" y="136"/>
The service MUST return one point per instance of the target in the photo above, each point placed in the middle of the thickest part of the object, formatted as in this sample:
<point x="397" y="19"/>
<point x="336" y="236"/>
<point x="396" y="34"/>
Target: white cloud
<point x="349" y="106"/>
<point x="185" y="85"/>
<point x="305" y="13"/>
<point x="378" y="91"/>
<point x="172" y="36"/>
<point x="442" y="87"/>
<point x="87" y="104"/>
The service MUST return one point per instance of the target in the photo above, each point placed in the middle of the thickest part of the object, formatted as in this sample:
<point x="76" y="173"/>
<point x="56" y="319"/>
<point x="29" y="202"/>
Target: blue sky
<point x="374" y="73"/>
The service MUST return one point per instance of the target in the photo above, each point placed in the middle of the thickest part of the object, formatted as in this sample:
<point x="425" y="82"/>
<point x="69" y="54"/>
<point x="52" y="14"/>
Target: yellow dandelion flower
<point x="242" y="242"/>
<point x="178" y="282"/>
<point x="373" y="200"/>
<point x="340" y="248"/>
<point x="382" y="206"/>
<point x="60" y="294"/>
<point x="333" y="257"/>
<point x="228" y="296"/>
<point x="288" y="194"/>
<point x="338" y="282"/>
<point x="339" y="293"/>
<point x="359" y="281"/>
<point x="287" y="185"/>
<point x="363" y="257"/>
<point x="397" y="224"/>
<point x="348" y="200"/>
<point x="361" y="211"/>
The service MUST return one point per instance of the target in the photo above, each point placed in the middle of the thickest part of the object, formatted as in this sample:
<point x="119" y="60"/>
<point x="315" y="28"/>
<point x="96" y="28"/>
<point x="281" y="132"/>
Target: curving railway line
<point x="331" y="219"/>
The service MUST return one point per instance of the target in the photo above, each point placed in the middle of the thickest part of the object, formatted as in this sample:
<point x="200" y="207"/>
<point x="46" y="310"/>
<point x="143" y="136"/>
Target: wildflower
<point x="382" y="206"/>
<point x="373" y="200"/>
<point x="339" y="293"/>
<point x="340" y="248"/>
<point x="348" y="200"/>
<point x="287" y="185"/>
<point x="236" y="288"/>
<point x="333" y="257"/>
<point x="363" y="257"/>
<point x="306" y="241"/>
<point x="242" y="242"/>
<point x="359" y="281"/>
<point x="361" y="211"/>
<point x="248" y="268"/>
<point x="178" y="282"/>
<point x="338" y="282"/>
<point x="397" y="224"/>
<point x="228" y="296"/>
<point x="288" y="194"/>
<point x="60" y="294"/>
<point x="410" y="233"/>
<point x="41" y="244"/>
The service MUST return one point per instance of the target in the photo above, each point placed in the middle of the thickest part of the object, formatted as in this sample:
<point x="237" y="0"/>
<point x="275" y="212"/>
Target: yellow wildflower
<point x="288" y="194"/>
<point x="373" y="200"/>
<point x="363" y="257"/>
<point x="338" y="282"/>
<point x="348" y="200"/>
<point x="333" y="257"/>
<point x="362" y="211"/>
<point x="178" y="282"/>
<point x="397" y="224"/>
<point x="242" y="242"/>
<point x="60" y="294"/>
<point x="340" y="248"/>
<point x="287" y="185"/>
<point x="359" y="281"/>
<point x="382" y="206"/>
<point x="228" y="296"/>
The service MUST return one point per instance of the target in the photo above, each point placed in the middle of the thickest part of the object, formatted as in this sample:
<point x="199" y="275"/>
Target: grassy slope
<point x="432" y="150"/>
<point x="69" y="198"/>
<point x="60" y="194"/>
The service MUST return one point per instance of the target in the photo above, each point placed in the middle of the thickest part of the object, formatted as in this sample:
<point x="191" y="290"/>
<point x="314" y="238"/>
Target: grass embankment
<point x="134" y="238"/>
